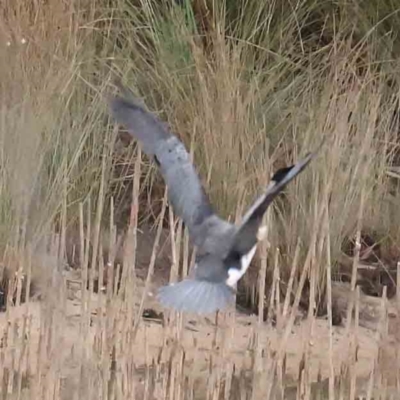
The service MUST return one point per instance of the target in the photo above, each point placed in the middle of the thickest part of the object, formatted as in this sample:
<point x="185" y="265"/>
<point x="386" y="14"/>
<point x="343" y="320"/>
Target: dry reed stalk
<point x="378" y="337"/>
<point x="329" y="306"/>
<point x="178" y="319"/>
<point x="272" y="295"/>
<point x="315" y="257"/>
<point x="257" y="363"/>
<point x="186" y="263"/>
<point x="300" y="286"/>
<point x="175" y="242"/>
<point x="97" y="227"/>
<point x="21" y="344"/>
<point x="354" y="346"/>
<point x="85" y="294"/>
<point x="277" y="280"/>
<point x="308" y="342"/>
<point x="397" y="334"/>
<point x="289" y="289"/>
<point x="151" y="267"/>
<point x="179" y="243"/>
<point x="356" y="259"/>
<point x="127" y="275"/>
<point x="382" y="382"/>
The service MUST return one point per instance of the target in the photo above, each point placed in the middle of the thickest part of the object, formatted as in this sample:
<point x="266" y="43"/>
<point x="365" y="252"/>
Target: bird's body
<point x="223" y="250"/>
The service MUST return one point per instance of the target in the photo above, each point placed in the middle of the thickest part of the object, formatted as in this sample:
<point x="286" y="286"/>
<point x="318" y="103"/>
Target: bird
<point x="224" y="250"/>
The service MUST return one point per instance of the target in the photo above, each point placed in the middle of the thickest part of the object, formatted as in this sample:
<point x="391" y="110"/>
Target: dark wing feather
<point x="246" y="236"/>
<point x="185" y="191"/>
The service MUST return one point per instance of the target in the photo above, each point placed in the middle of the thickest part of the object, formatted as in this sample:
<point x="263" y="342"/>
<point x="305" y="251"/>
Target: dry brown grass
<point x="248" y="96"/>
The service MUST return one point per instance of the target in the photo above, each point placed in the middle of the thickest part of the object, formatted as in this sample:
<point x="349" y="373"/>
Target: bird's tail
<point x="196" y="296"/>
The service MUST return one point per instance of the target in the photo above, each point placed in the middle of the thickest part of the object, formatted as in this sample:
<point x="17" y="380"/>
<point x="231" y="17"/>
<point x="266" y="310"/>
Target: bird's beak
<point x="262" y="233"/>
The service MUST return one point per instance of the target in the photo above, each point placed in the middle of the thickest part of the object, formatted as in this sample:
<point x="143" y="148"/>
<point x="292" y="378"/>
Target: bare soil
<point x="200" y="340"/>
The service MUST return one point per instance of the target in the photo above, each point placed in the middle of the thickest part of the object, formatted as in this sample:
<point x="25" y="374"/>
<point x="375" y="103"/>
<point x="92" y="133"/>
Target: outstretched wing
<point x="185" y="191"/>
<point x="246" y="236"/>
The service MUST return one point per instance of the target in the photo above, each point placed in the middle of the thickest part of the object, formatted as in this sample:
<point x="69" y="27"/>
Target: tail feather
<point x="200" y="297"/>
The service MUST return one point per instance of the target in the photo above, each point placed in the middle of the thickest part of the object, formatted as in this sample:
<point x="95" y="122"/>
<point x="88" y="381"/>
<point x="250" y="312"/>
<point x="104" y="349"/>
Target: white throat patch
<point x="235" y="274"/>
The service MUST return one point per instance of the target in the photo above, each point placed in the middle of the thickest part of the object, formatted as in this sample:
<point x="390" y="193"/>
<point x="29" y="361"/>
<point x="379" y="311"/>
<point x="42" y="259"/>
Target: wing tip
<point x="119" y="103"/>
<point x="298" y="167"/>
<point x="123" y="101"/>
